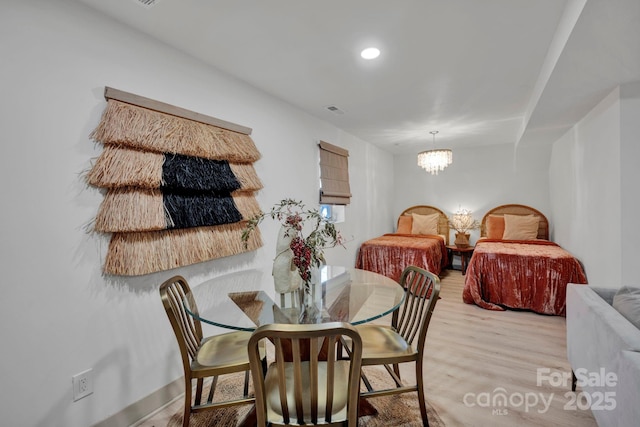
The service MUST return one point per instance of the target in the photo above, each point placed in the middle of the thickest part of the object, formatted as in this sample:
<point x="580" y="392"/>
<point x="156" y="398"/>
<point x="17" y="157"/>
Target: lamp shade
<point x="462" y="221"/>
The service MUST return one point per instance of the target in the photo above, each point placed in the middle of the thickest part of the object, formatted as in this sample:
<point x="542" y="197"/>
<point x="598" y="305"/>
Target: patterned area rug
<point x="386" y="411"/>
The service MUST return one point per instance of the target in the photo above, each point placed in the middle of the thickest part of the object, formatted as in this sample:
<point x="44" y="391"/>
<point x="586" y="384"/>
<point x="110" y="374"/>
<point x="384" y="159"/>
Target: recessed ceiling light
<point x="370" y="53"/>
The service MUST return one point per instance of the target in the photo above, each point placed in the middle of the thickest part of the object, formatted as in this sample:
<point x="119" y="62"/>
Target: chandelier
<point x="434" y="161"/>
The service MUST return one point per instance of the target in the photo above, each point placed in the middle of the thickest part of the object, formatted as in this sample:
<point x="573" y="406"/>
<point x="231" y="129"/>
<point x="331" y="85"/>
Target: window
<point x="333" y="213"/>
<point x="334" y="175"/>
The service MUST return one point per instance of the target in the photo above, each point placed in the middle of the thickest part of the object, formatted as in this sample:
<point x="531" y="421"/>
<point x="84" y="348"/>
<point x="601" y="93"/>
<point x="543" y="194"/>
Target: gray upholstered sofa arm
<point x="596" y="332"/>
<point x="598" y="340"/>
<point x="628" y="395"/>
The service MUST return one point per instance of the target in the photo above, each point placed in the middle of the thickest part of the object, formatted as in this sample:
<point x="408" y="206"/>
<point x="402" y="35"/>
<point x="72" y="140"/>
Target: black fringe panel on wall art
<point x="197" y="173"/>
<point x="186" y="210"/>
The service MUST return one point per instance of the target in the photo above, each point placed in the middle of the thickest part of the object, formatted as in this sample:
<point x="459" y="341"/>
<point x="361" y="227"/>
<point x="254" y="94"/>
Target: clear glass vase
<point x="310" y="298"/>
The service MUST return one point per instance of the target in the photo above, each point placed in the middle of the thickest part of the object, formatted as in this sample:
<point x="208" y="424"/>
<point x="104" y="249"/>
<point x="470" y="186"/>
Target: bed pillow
<point x="425" y="224"/>
<point x="520" y="227"/>
<point x="404" y="224"/>
<point x="495" y="226"/>
<point x="627" y="302"/>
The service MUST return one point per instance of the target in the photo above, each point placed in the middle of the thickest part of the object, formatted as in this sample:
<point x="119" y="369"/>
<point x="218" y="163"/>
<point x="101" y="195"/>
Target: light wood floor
<point x="476" y="355"/>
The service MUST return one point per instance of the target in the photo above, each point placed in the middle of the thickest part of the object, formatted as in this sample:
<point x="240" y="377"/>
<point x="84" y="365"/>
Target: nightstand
<point x="463" y="253"/>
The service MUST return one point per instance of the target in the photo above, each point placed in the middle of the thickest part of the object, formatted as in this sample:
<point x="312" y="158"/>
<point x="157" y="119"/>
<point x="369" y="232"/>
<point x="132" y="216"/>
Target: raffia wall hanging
<point x="179" y="185"/>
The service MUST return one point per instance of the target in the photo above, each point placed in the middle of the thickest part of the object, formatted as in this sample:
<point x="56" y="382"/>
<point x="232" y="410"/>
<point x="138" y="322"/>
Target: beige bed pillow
<point x="425" y="224"/>
<point x="520" y="227"/>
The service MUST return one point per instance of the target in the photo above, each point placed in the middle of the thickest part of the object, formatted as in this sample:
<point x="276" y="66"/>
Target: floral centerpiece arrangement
<point x="463" y="222"/>
<point x="296" y="219"/>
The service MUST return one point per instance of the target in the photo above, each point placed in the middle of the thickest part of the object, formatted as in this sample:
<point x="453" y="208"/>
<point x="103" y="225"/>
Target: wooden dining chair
<point x="404" y="340"/>
<point x="308" y="383"/>
<point x="204" y="357"/>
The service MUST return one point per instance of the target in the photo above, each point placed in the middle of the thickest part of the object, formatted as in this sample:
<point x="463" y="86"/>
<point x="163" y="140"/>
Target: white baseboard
<point x="145" y="406"/>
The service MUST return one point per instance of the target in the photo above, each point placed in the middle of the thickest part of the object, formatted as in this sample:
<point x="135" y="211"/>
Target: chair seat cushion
<point x="381" y="342"/>
<point x="222" y="350"/>
<point x="340" y="392"/>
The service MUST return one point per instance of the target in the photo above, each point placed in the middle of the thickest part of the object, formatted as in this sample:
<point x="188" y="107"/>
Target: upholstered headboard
<point x="543" y="224"/>
<point x="443" y="223"/>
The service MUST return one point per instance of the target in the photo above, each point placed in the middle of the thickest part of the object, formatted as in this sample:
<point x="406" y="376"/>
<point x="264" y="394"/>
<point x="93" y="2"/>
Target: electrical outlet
<point x="82" y="384"/>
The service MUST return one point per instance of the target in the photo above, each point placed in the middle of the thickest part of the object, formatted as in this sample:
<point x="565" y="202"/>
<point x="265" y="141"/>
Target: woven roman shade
<point x="334" y="175"/>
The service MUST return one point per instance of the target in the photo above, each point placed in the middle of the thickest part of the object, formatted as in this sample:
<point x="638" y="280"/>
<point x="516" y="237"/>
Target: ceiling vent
<point x="147" y="4"/>
<point x="334" y="109"/>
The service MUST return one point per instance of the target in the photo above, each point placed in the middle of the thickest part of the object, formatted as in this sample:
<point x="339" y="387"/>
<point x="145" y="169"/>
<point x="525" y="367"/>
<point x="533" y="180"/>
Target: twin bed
<point x="513" y="266"/>
<point x="420" y="239"/>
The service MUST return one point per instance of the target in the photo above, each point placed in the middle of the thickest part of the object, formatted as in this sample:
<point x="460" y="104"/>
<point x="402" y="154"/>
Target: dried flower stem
<point x="308" y="251"/>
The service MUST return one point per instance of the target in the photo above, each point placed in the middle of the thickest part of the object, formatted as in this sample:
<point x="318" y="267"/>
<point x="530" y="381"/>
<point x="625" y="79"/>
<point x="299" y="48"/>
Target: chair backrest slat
<point x="282" y="382"/>
<point x="313" y="378"/>
<point x="297" y="379"/>
<point x="331" y="358"/>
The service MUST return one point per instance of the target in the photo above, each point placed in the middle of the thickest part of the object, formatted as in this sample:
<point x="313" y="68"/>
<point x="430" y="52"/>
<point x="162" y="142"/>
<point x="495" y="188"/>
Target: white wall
<point x="584" y="174"/>
<point x="478" y="179"/>
<point x="629" y="179"/>
<point x="59" y="315"/>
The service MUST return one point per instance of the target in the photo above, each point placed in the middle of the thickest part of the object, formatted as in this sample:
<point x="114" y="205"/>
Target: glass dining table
<point x="247" y="299"/>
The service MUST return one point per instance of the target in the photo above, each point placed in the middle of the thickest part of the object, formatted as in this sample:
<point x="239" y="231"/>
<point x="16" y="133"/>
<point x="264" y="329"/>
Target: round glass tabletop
<point x="247" y="299"/>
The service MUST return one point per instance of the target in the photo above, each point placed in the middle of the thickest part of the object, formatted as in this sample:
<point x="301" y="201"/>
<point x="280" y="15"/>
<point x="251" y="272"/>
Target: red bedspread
<point x="531" y="275"/>
<point x="389" y="254"/>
